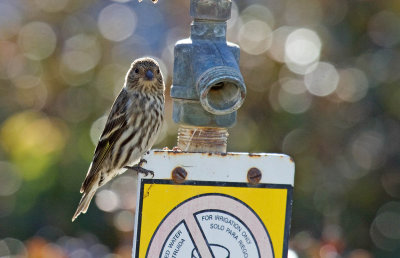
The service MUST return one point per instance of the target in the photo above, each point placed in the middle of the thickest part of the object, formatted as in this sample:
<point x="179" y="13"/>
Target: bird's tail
<point x="83" y="204"/>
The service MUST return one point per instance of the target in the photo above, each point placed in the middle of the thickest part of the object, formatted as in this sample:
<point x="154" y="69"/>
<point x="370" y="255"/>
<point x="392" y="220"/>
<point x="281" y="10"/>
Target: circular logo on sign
<point x="211" y="225"/>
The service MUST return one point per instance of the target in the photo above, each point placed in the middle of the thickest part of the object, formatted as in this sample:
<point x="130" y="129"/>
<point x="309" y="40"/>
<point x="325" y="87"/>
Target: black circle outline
<point x="206" y="194"/>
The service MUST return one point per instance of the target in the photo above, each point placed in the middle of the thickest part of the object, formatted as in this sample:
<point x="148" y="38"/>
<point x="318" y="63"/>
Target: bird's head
<point x="145" y="75"/>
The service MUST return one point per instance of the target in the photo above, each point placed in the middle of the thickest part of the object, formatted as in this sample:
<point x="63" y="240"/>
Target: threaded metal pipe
<point x="202" y="139"/>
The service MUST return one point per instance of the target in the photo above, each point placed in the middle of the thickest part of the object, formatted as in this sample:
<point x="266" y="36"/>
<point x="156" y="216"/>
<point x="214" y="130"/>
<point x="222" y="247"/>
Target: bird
<point x="132" y="127"/>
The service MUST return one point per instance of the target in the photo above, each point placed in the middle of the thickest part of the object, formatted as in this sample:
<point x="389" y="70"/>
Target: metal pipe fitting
<point x="207" y="87"/>
<point x="202" y="139"/>
<point x="221" y="90"/>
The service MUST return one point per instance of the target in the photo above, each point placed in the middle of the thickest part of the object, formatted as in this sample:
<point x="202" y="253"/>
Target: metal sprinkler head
<point x="207" y="87"/>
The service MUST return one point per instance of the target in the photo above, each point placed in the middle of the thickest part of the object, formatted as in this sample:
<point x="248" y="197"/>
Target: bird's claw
<point x="138" y="168"/>
<point x="144" y="171"/>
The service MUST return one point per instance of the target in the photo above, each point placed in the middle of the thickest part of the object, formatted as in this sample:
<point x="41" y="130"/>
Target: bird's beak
<point x="149" y="74"/>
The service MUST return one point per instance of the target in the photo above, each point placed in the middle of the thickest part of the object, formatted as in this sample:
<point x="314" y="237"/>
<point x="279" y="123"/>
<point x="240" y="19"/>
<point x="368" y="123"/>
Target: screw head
<point x="254" y="176"/>
<point x="179" y="175"/>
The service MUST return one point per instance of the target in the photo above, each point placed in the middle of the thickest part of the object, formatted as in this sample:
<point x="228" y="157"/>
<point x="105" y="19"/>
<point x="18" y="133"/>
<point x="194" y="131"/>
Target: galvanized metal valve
<point x="190" y="190"/>
<point x="207" y="87"/>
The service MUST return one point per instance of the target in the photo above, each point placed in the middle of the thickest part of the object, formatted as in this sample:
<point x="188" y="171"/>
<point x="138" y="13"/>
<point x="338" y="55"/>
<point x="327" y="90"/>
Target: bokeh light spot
<point x="383" y="65"/>
<point x="80" y="253"/>
<point x="385" y="229"/>
<point x="39" y="247"/>
<point x="296" y="141"/>
<point x="328" y="251"/>
<point x="384" y="28"/>
<point x="38" y="40"/>
<point x="302" y="47"/>
<point x="301" y="69"/>
<point x="33" y="141"/>
<point x="292" y="254"/>
<point x="78" y="61"/>
<point x="277" y="49"/>
<point x="391" y="183"/>
<point x="107" y="200"/>
<point x="124" y="221"/>
<point x="117" y="22"/>
<point x="294" y="86"/>
<point x="353" y="85"/>
<point x="388" y="223"/>
<point x="11" y="247"/>
<point x="323" y="80"/>
<point x="125" y="187"/>
<point x="367" y="149"/>
<point x="294" y="103"/>
<point x="20" y="66"/>
<point x="4" y="251"/>
<point x="258" y="12"/>
<point x="81" y="53"/>
<point x="255" y="37"/>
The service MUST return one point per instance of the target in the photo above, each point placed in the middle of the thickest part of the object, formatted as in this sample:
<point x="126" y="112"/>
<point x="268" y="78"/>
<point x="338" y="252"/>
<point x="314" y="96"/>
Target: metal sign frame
<point x="227" y="171"/>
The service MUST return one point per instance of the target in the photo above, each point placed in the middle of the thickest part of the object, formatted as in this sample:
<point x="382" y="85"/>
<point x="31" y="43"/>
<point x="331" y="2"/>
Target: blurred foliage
<point x="323" y="86"/>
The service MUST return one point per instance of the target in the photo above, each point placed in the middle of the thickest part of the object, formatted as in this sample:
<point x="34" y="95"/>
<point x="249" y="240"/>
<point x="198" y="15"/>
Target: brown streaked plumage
<point x="131" y="129"/>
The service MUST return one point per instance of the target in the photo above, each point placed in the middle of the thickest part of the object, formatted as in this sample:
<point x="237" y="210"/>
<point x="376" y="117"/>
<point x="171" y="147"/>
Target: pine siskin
<point x="131" y="129"/>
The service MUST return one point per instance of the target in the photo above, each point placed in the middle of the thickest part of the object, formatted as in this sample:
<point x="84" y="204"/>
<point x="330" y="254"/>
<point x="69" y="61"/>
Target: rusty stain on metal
<point x="254" y="176"/>
<point x="169" y="152"/>
<point x="177" y="152"/>
<point x="147" y="194"/>
<point x="179" y="175"/>
<point x="176" y="149"/>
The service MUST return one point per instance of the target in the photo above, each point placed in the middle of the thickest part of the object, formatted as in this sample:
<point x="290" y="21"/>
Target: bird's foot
<point x="138" y="168"/>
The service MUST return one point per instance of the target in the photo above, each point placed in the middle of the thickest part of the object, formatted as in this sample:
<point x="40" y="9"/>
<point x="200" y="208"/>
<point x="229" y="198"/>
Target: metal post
<point x="202" y="201"/>
<point x="207" y="87"/>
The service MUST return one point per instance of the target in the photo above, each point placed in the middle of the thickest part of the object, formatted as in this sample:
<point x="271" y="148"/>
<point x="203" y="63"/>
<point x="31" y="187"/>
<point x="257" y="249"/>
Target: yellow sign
<point x="212" y="219"/>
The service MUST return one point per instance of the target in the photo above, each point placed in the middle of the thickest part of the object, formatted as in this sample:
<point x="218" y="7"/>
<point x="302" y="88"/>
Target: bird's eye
<point x="137" y="70"/>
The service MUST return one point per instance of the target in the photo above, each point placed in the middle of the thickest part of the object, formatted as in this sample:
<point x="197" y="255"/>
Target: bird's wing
<point x="115" y="126"/>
